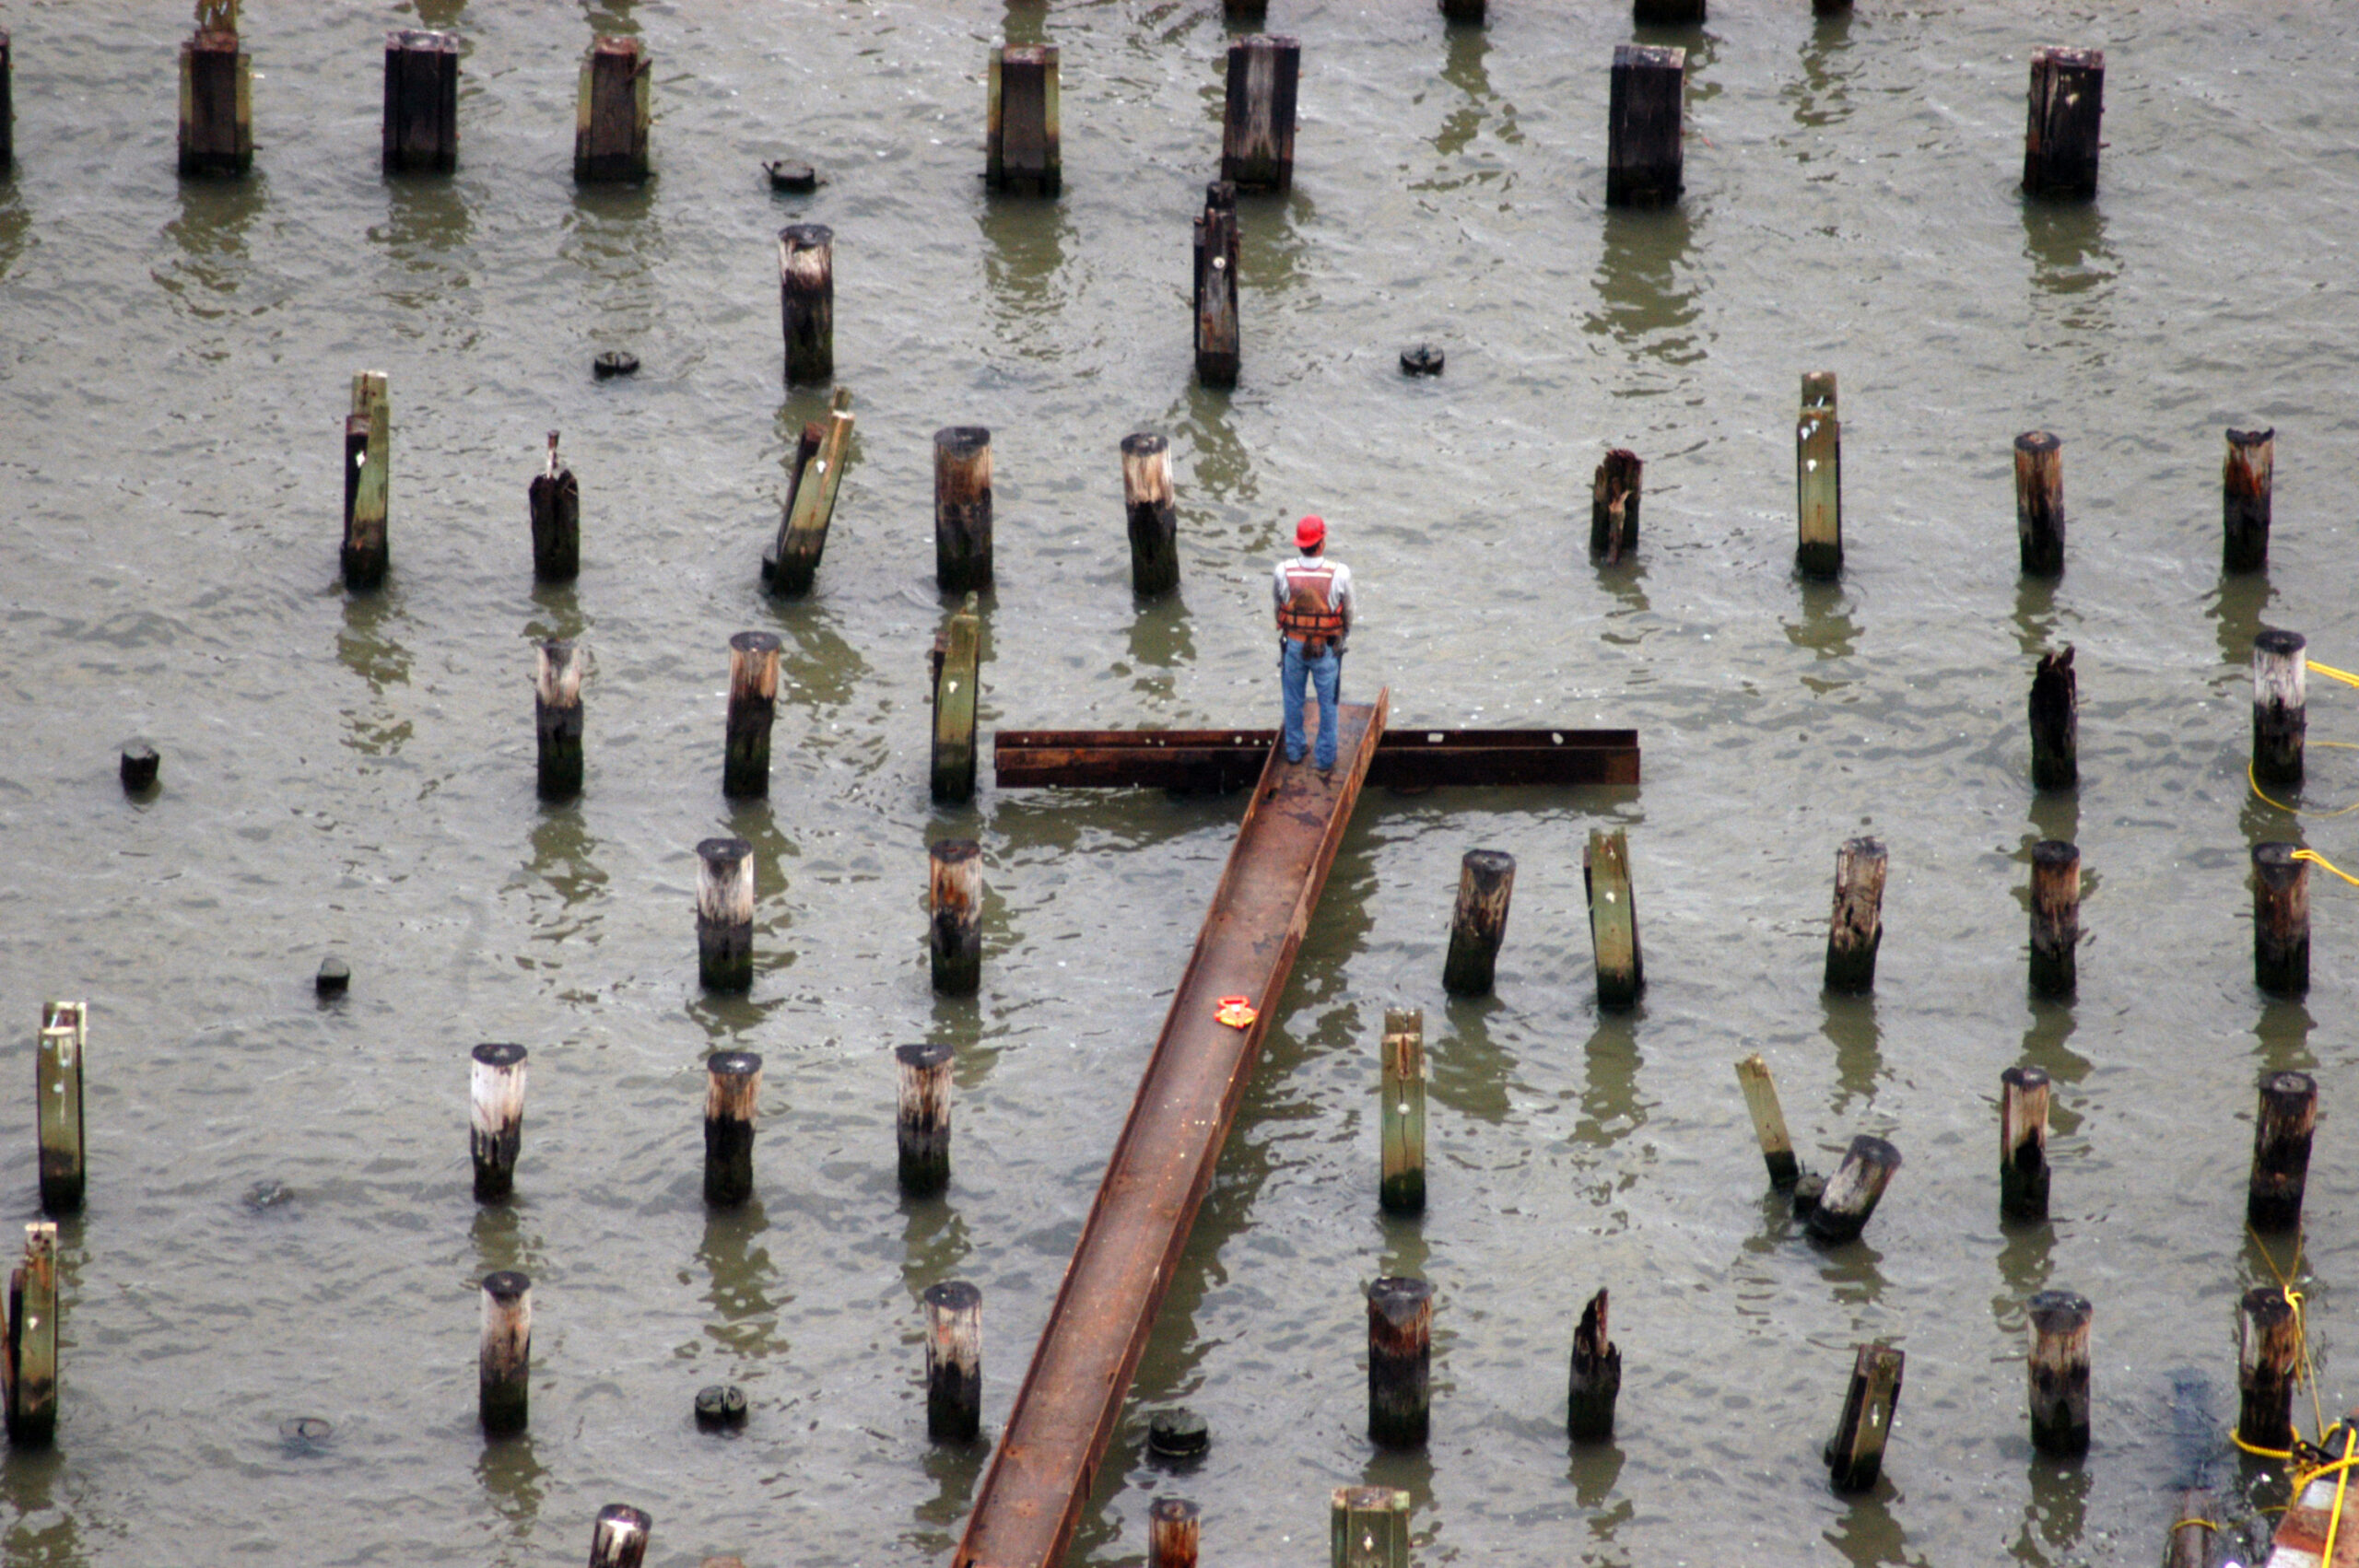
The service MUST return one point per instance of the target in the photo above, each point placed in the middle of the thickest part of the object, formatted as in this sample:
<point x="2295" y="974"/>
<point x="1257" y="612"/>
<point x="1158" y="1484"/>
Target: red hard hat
<point x="1310" y="530"/>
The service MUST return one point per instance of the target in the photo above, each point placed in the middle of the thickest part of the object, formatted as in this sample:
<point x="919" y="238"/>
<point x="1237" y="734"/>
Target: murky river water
<point x="280" y="1223"/>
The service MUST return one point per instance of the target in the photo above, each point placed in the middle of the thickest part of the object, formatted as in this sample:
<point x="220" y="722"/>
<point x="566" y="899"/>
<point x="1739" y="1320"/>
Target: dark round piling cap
<point x="334" y="977"/>
<point x="721" y="1405"/>
<point x="734" y="1064"/>
<point x="926" y="1055"/>
<point x="1807" y="1192"/>
<point x="2274" y="641"/>
<point x="787" y="175"/>
<point x="1178" y="1433"/>
<point x="305" y="1434"/>
<point x="138" y="768"/>
<point x="1421" y="360"/>
<point x="500" y="1053"/>
<point x="615" y="362"/>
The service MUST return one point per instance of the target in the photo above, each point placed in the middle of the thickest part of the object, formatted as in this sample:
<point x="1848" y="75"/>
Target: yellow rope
<point x="2199" y="1523"/>
<point x="2318" y="860"/>
<point x="2341" y="1469"/>
<point x="2259" y="1453"/>
<point x="2345" y="676"/>
<point x="2269" y="800"/>
<point x="2301" y="1335"/>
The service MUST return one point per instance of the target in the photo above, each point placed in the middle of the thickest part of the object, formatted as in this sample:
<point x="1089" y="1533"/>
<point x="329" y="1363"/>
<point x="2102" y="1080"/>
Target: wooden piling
<point x="725" y="914"/>
<point x="1853" y="1191"/>
<point x="1485" y="884"/>
<point x="1369" y="1527"/>
<point x="421" y="129"/>
<point x="2061" y="141"/>
<point x="953" y="1362"/>
<point x="2281" y="1151"/>
<point x="619" y="1538"/>
<point x="1401" y="1083"/>
<point x="2022" y="1144"/>
<point x="1244" y="11"/>
<point x="1614" y="506"/>
<point x="504" y="1354"/>
<point x="496" y="1117"/>
<point x="2039" y="502"/>
<point x="137" y="768"/>
<point x="2281" y="920"/>
<point x="955" y="926"/>
<point x="8" y="105"/>
<point x="922" y="1116"/>
<point x="732" y="1093"/>
<point x="1468" y="11"/>
<point x="57" y="1100"/>
<point x="1768" y="1122"/>
<point x="1257" y="138"/>
<point x="1219" y="355"/>
<point x="957" y="649"/>
<point x="1667" y="13"/>
<point x="1855" y="929"/>
<point x="333" y="979"/>
<point x="2268" y="1349"/>
<point x="1022" y="149"/>
<point x="1596" y="1378"/>
<point x="31" y="1346"/>
<point x="612" y="111"/>
<point x="557" y="718"/>
<point x="811" y="503"/>
<point x="216" y="95"/>
<point x="2056" y="722"/>
<point x="753" y="702"/>
<point x="1855" y="1454"/>
<point x="1612" y="919"/>
<point x="2244" y="482"/>
<point x="2193" y="1533"/>
<point x="1818" y="479"/>
<point x="1154" y="520"/>
<point x="367" y="481"/>
<point x="2281" y="695"/>
<point x="1642" y="147"/>
<point x="1173" y="1529"/>
<point x="962" y="508"/>
<point x="2055" y="918"/>
<point x="807" y="301"/>
<point x="1400" y="1361"/>
<point x="554" y="502"/>
<point x="2059" y="1369"/>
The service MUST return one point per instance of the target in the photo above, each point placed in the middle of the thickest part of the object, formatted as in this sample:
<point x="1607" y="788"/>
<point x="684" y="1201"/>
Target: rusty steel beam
<point x="1229" y="759"/>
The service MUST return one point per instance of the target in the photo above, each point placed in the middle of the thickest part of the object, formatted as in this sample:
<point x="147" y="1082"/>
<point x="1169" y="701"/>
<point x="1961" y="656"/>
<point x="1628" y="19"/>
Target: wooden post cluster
<point x="1855" y="1454"/>
<point x="554" y="502"/>
<point x="2269" y="1347"/>
<point x="1369" y="1527"/>
<point x="2055" y="918"/>
<point x="922" y="1116"/>
<point x="2022" y="1144"/>
<point x="1642" y="146"/>
<point x="1614" y="506"/>
<point x="1596" y="1379"/>
<point x="2281" y="920"/>
<point x="955" y="926"/>
<point x="1818" y="479"/>
<point x="2059" y="1371"/>
<point x="807" y="301"/>
<point x="1486" y="884"/>
<point x="619" y="1538"/>
<point x="732" y="1093"/>
<point x="1174" y="1529"/>
<point x="612" y="113"/>
<point x="504" y="1354"/>
<point x="2281" y="695"/>
<point x="2281" y="1129"/>
<point x="421" y="102"/>
<point x="953" y="1362"/>
<point x="1401" y="1083"/>
<point x="1022" y="139"/>
<point x="1853" y="1191"/>
<point x="811" y="499"/>
<point x="725" y="914"/>
<point x="368" y="457"/>
<point x="753" y="703"/>
<point x="2056" y="722"/>
<point x="2039" y="503"/>
<point x="1218" y="349"/>
<point x="496" y="1117"/>
<point x="58" y="1096"/>
<point x="216" y="95"/>
<point x="2061" y="141"/>
<point x="962" y="508"/>
<point x="957" y="654"/>
<point x="558" y="670"/>
<point x="1400" y="1361"/>
<point x="1153" y="518"/>
<point x="1855" y="929"/>
<point x="1257" y="136"/>
<point x="1612" y="919"/>
<point x="2244" y="482"/>
<point x="1768" y="1122"/>
<point x="29" y="1366"/>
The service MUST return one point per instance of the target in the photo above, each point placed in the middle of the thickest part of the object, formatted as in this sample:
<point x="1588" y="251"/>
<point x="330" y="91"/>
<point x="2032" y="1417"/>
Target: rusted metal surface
<point x="1064" y="1415"/>
<point x="1229" y="759"/>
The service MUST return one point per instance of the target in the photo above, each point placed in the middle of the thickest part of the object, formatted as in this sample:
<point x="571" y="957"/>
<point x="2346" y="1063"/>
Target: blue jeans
<point x="1324" y="672"/>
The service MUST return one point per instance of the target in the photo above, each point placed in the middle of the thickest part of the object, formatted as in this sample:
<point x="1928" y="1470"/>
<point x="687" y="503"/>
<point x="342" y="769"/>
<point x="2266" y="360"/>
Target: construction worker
<point x="1313" y="596"/>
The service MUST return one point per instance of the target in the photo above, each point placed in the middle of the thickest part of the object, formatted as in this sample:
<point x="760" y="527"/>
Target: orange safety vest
<point x="1309" y="614"/>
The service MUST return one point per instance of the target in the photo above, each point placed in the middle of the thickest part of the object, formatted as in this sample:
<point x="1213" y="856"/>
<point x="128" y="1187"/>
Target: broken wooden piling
<point x="1479" y="923"/>
<point x="2059" y="1373"/>
<point x="953" y="1362"/>
<point x="1852" y="1192"/>
<point x="2061" y="140"/>
<point x="137" y="768"/>
<point x="1768" y="1122"/>
<point x="1855" y="1454"/>
<point x="2246" y="478"/>
<point x="1400" y="1361"/>
<point x="612" y="113"/>
<point x="2282" y="1130"/>
<point x="962" y="508"/>
<point x="2055" y="918"/>
<point x="732" y="1097"/>
<point x="619" y="1538"/>
<point x="557" y="669"/>
<point x="1219" y="355"/>
<point x="1401" y="1188"/>
<point x="1174" y="1528"/>
<point x="1855" y="929"/>
<point x="810" y="503"/>
<point x="1596" y="1378"/>
<point x="753" y="704"/>
<point x="367" y="483"/>
<point x="2022" y="1144"/>
<point x="496" y="1077"/>
<point x="2039" y="503"/>
<point x="954" y="923"/>
<point x="1153" y="520"/>
<point x="1023" y="139"/>
<point x="956" y="653"/>
<point x="553" y="500"/>
<point x="2279" y="705"/>
<point x="922" y="1116"/>
<point x="807" y="301"/>
<point x="2269" y="1348"/>
<point x="421" y="128"/>
<point x="725" y="914"/>
<point x="1257" y="137"/>
<point x="1368" y="1528"/>
<point x="2281" y="920"/>
<point x="2055" y="722"/>
<point x="1615" y="495"/>
<point x="30" y="1349"/>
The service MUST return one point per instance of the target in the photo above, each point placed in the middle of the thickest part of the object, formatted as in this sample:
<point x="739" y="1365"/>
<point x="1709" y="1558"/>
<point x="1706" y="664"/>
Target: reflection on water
<point x="1271" y="227"/>
<point x="1027" y="22"/>
<point x="1024" y="279"/>
<point x="1641" y="303"/>
<point x="2073" y="271"/>
<point x="1626" y="580"/>
<point x="2282" y="1033"/>
<point x="559" y="619"/>
<point x="2054" y="813"/>
<point x="37" y="1537"/>
<point x="1823" y="96"/>
<point x="1825" y="628"/>
<point x="440" y="15"/>
<point x="2036" y="614"/>
<point x="745" y="1315"/>
<point x="1409" y="1470"/>
<point x="2054" y="1514"/>
<point x="1162" y="642"/>
<point x="955" y="1468"/>
<point x="1850" y="1027"/>
<point x="1223" y="487"/>
<point x="366" y="648"/>
<point x="1464" y="67"/>
<point x="1867" y="1533"/>
<point x="1611" y="1108"/>
<point x="1596" y="1468"/>
<point x="818" y="673"/>
<point x="501" y="1238"/>
<point x="2025" y="1263"/>
<point x="2236" y="608"/>
<point x="614" y="241"/>
<point x="1469" y="1071"/>
<point x="16" y="223"/>
<point x="564" y="863"/>
<point x="211" y="234"/>
<point x="2046" y="1047"/>
<point x="425" y="242"/>
<point x="512" y="1478"/>
<point x="934" y="1240"/>
<point x="609" y="19"/>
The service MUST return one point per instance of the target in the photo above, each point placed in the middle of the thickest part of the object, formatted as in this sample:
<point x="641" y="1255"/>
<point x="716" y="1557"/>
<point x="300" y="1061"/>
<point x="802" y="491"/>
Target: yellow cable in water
<point x="2301" y="1335"/>
<point x="2345" y="676"/>
<point x="2267" y="800"/>
<point x="2318" y="860"/>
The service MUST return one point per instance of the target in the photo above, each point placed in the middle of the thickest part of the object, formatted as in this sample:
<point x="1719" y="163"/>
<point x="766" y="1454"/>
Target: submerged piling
<point x="1644" y="106"/>
<point x="2059" y="1371"/>
<point x="1153" y="520"/>
<point x="496" y="1117"/>
<point x="612" y="113"/>
<point x="1615" y="495"/>
<point x="955" y="928"/>
<point x="1400" y="1361"/>
<point x="2282" y="1130"/>
<point x="753" y="703"/>
<point x="504" y="1354"/>
<point x="1855" y="929"/>
<point x="1401" y="1188"/>
<point x="1855" y="1454"/>
<point x="557" y="669"/>
<point x="1596" y="1378"/>
<point x="725" y="914"/>
<point x="57" y="1101"/>
<point x="732" y="1093"/>
<point x="953" y="1362"/>
<point x="2061" y="140"/>
<point x="1257" y="138"/>
<point x="2246" y="478"/>
<point x="1479" y="924"/>
<point x="2022" y="1144"/>
<point x="2281" y="920"/>
<point x="1023" y="138"/>
<point x="421" y="130"/>
<point x="1818" y="479"/>
<point x="922" y="1116"/>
